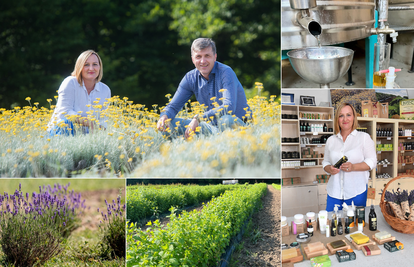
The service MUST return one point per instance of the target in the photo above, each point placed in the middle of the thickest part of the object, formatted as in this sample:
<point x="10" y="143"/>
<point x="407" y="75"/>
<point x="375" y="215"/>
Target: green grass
<point x="83" y="249"/>
<point x="79" y="185"/>
<point x="277" y="186"/>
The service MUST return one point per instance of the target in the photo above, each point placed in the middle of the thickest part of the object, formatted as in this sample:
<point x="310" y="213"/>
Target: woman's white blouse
<point x="358" y="147"/>
<point x="74" y="100"/>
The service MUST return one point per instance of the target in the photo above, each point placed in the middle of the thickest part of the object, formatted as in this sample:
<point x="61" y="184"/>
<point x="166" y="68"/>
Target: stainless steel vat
<point x="341" y="21"/>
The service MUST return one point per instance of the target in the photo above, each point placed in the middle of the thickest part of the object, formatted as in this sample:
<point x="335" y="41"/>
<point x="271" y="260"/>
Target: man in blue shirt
<point x="211" y="81"/>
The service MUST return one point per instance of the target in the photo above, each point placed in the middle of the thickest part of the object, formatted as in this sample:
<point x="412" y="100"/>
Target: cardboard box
<point x="407" y="109"/>
<point x="300" y="228"/>
<point x="291" y="181"/>
<point x="285" y="230"/>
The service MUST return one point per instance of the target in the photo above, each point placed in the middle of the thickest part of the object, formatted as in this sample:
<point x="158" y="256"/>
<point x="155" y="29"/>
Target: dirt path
<point x="261" y="247"/>
<point x="95" y="200"/>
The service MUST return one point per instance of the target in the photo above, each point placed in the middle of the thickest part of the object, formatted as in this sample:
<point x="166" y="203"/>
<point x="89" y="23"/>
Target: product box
<point x="300" y="228"/>
<point x="383" y="110"/>
<point x="370" y="109"/>
<point x="407" y="109"/>
<point x="291" y="181"/>
<point x="320" y="261"/>
<point x="285" y="230"/>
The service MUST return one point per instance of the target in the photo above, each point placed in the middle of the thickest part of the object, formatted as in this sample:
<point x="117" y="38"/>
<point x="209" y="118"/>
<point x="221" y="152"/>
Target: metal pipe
<point x="382" y="7"/>
<point x="324" y="85"/>
<point x="302" y="4"/>
<point x="310" y="24"/>
<point x="397" y="8"/>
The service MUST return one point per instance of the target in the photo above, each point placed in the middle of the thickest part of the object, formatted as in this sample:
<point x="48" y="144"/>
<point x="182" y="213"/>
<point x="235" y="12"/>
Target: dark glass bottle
<point x="325" y="128"/>
<point x="333" y="228"/>
<point x="308" y="128"/>
<point x="310" y="228"/>
<point x="346" y="226"/>
<point x="372" y="219"/>
<point x="340" y="227"/>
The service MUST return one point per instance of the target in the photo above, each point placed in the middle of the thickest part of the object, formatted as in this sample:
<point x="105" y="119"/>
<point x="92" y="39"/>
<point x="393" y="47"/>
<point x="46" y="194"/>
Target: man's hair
<point x="80" y="62"/>
<point x="202" y="43"/>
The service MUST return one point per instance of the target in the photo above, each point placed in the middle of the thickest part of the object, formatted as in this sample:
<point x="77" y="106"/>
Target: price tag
<point x="388" y="138"/>
<point x="315" y="133"/>
<point x="302" y="133"/>
<point x="385" y="165"/>
<point x="404" y="164"/>
<point x="408" y="137"/>
<point x="378" y="152"/>
<point x="302" y="145"/>
<point x="297" y="167"/>
<point x="402" y="151"/>
<point x="319" y="146"/>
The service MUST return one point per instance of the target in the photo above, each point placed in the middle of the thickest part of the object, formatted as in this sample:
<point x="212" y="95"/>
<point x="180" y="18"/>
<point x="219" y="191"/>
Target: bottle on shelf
<point x="325" y="128"/>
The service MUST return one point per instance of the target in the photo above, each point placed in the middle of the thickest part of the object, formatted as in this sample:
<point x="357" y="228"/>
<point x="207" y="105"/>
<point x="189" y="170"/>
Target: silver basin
<point x="322" y="65"/>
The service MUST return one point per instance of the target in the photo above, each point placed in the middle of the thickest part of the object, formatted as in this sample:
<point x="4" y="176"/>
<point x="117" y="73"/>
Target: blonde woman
<point x="348" y="182"/>
<point x="78" y="94"/>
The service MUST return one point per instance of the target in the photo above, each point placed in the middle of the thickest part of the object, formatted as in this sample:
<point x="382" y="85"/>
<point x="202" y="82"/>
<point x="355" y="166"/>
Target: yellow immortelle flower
<point x="27" y="98"/>
<point x="214" y="163"/>
<point x="137" y="149"/>
<point x="120" y="138"/>
<point x="130" y="160"/>
<point x="122" y="156"/>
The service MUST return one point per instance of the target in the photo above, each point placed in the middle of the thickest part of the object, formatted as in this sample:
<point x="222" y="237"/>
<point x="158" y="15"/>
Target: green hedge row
<point x="194" y="238"/>
<point x="143" y="201"/>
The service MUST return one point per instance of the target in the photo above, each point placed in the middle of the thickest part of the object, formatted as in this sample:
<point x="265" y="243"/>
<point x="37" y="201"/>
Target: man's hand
<point x="162" y="124"/>
<point x="191" y="128"/>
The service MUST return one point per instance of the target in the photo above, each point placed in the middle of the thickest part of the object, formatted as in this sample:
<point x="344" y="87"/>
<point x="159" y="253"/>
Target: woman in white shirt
<point x="348" y="182"/>
<point x="82" y="94"/>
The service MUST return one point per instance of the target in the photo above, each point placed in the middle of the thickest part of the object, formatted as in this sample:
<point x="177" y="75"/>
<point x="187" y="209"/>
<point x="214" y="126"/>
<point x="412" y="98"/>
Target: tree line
<point x="144" y="45"/>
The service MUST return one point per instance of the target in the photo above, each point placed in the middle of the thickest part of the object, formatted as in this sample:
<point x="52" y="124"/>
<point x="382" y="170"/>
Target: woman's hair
<point x="80" y="63"/>
<point x="338" y="110"/>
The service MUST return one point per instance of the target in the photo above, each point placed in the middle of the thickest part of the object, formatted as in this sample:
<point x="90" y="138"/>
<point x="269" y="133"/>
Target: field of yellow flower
<point x="132" y="146"/>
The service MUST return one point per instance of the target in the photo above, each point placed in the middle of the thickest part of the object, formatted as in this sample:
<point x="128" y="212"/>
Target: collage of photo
<point x="243" y="133"/>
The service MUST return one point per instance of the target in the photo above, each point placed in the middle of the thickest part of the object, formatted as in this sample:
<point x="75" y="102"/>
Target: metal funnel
<point x="322" y="65"/>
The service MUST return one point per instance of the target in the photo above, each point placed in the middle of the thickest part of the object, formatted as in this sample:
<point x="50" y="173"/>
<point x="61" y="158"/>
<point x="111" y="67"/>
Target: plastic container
<point x="298" y="219"/>
<point x="323" y="218"/>
<point x="310" y="216"/>
<point x="283" y="220"/>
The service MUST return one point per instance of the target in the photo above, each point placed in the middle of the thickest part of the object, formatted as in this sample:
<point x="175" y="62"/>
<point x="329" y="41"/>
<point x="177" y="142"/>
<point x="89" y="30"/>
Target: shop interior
<point x="307" y="122"/>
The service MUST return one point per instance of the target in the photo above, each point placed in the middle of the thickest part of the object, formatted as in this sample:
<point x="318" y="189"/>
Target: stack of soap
<point x="382" y="235"/>
<point x="289" y="253"/>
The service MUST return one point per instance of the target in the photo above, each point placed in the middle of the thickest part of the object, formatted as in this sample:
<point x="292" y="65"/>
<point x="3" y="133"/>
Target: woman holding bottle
<point x="348" y="182"/>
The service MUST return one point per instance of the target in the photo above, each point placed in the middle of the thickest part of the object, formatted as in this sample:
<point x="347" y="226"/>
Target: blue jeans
<point x="225" y="122"/>
<point x="67" y="130"/>
<point x="359" y="200"/>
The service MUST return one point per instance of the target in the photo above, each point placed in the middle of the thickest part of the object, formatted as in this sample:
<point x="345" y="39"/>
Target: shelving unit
<point x="315" y="193"/>
<point x="307" y="195"/>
